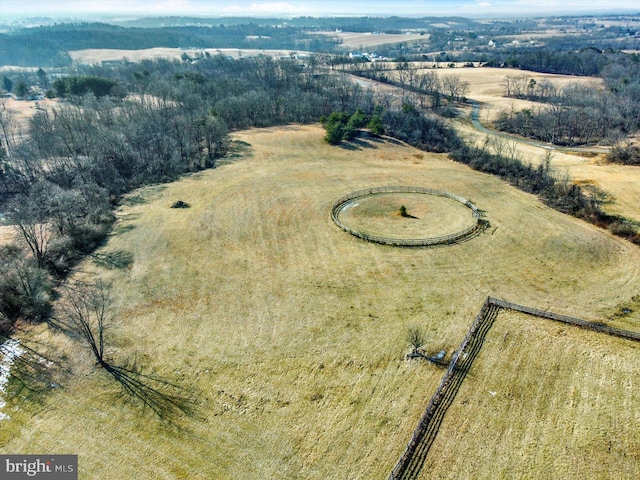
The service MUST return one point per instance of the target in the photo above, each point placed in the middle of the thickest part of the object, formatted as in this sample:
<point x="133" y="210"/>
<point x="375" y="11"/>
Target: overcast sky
<point x="467" y="8"/>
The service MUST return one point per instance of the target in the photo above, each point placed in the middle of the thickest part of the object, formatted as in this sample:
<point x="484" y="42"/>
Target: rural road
<point x="475" y="121"/>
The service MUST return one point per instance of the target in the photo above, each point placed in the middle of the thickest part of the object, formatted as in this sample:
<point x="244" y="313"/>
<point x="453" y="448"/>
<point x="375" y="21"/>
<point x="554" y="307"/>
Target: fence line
<point x="414" y="455"/>
<point x="443" y="397"/>
<point x="339" y="205"/>
<point x="594" y="326"/>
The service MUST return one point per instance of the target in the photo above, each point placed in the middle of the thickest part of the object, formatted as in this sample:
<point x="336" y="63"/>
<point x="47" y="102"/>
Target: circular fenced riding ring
<point x="408" y="216"/>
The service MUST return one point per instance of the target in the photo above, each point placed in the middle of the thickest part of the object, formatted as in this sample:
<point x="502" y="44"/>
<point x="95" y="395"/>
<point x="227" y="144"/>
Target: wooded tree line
<point x="247" y="92"/>
<point x="578" y="113"/>
<point x="425" y="89"/>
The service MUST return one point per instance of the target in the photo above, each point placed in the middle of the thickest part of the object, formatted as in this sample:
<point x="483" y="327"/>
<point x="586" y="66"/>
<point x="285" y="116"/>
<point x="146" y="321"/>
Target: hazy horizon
<point x="414" y="8"/>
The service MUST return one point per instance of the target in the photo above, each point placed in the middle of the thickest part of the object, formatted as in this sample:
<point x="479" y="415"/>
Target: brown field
<point x="293" y="332"/>
<point x="364" y="40"/>
<point x="7" y="234"/>
<point x="98" y="55"/>
<point x="486" y="85"/>
<point x="21" y="111"/>
<point x="543" y="400"/>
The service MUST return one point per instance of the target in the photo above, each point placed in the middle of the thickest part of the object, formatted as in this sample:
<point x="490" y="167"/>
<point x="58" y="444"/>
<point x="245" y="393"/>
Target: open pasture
<point x="293" y="332"/>
<point x="486" y="84"/>
<point x="543" y="400"/>
<point x="356" y="40"/>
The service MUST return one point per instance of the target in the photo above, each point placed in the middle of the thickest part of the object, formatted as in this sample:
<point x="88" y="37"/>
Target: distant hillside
<point x="47" y="46"/>
<point x="351" y="24"/>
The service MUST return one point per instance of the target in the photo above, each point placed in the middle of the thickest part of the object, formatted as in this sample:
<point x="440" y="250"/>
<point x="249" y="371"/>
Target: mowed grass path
<point x="293" y="331"/>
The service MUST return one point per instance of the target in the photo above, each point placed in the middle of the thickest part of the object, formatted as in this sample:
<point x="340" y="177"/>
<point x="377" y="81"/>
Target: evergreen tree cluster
<point x="344" y="126"/>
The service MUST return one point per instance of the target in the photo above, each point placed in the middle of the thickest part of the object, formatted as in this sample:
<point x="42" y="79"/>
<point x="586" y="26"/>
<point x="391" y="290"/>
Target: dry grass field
<point x="21" y="111"/>
<point x="365" y="40"/>
<point x="486" y="85"/>
<point x="543" y="400"/>
<point x="7" y="234"/>
<point x="293" y="332"/>
<point x="98" y="55"/>
<point x="427" y="216"/>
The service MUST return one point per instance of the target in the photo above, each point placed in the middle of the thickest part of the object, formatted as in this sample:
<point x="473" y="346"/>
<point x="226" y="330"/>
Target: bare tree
<point x="404" y="74"/>
<point x="454" y="86"/>
<point x="507" y="83"/>
<point x="416" y="337"/>
<point x="511" y="149"/>
<point x="25" y="290"/>
<point x="520" y="84"/>
<point x="7" y="134"/>
<point x="32" y="224"/>
<point x="546" y="90"/>
<point x="428" y="83"/>
<point x="87" y="314"/>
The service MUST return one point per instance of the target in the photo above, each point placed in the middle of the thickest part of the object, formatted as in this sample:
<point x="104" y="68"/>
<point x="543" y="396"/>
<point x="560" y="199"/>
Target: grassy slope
<point x="292" y="330"/>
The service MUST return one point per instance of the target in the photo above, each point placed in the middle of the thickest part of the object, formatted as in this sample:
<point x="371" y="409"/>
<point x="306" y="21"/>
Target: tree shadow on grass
<point x="118" y="259"/>
<point x="165" y="398"/>
<point x="358" y="144"/>
<point x="120" y="229"/>
<point x="31" y="372"/>
<point x="85" y="314"/>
